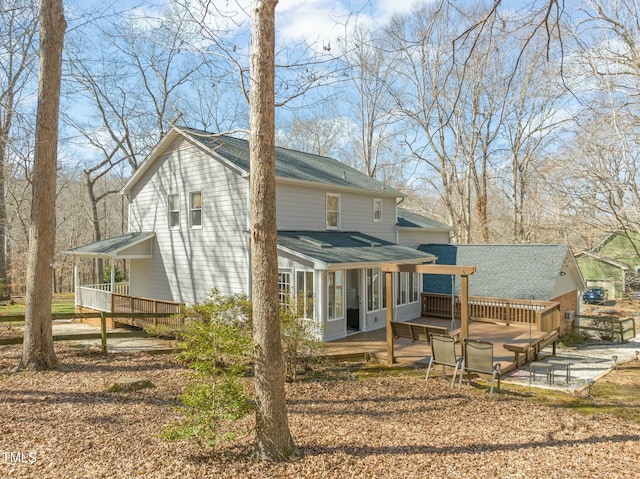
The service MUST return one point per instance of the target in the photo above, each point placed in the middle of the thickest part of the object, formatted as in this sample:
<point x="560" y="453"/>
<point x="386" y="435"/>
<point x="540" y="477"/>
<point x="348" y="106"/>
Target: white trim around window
<point x="333" y="215"/>
<point x="377" y="210"/>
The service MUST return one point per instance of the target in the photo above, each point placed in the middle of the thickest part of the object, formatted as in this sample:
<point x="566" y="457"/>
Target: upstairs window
<point x="333" y="211"/>
<point x="195" y="209"/>
<point x="377" y="210"/>
<point x="174" y="211"/>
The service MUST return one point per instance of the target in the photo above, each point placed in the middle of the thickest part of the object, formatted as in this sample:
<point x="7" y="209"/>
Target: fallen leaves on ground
<point x="394" y="426"/>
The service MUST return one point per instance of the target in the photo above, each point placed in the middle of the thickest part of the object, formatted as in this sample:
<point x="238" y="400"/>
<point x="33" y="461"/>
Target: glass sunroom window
<point x="335" y="307"/>
<point x="373" y="289"/>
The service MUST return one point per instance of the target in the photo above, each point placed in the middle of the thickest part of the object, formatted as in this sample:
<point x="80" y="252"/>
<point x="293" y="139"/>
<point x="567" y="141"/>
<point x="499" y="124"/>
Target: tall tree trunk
<point x="273" y="438"/>
<point x="5" y="291"/>
<point x="38" y="350"/>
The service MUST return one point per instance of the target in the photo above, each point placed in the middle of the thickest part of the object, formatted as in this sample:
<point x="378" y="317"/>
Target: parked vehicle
<point x="594" y="296"/>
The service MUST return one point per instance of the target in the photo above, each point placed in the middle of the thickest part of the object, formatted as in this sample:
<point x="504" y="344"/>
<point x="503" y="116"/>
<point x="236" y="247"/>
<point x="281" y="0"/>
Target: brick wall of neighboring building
<point x="568" y="302"/>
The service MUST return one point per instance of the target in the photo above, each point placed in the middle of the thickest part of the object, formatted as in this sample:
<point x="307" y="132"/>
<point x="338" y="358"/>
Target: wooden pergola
<point x="463" y="271"/>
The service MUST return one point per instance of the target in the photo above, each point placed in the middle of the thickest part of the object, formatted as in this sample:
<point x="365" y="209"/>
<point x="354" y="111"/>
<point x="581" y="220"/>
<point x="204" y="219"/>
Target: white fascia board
<point x="294" y="254"/>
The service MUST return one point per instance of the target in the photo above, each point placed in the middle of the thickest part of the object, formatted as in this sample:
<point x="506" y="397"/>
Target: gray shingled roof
<point x="503" y="271"/>
<point x="409" y="219"/>
<point x="291" y="164"/>
<point x="340" y="247"/>
<point x="112" y="246"/>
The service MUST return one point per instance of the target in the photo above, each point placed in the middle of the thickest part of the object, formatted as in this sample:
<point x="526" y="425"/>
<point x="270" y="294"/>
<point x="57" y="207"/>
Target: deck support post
<point x="388" y="277"/>
<point x="464" y="306"/>
<point x="103" y="332"/>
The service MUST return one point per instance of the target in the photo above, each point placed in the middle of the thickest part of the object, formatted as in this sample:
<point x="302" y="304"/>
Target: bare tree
<point x="371" y="76"/>
<point x="38" y="350"/>
<point x="273" y="438"/>
<point x="18" y="27"/>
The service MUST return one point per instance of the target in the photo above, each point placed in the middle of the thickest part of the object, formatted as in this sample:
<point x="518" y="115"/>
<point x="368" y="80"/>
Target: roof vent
<point x="315" y="242"/>
<point x="366" y="241"/>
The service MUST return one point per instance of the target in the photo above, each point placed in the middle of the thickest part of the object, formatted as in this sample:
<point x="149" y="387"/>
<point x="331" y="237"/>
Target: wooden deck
<point x="373" y="344"/>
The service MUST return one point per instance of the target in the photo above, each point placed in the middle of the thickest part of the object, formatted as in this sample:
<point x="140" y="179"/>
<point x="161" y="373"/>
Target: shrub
<point x="300" y="343"/>
<point x="573" y="338"/>
<point x="218" y="343"/>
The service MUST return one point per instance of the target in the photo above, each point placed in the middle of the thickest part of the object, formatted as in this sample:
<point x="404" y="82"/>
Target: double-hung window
<point x="173" y="202"/>
<point x="195" y="209"/>
<point x="333" y="211"/>
<point x="377" y="210"/>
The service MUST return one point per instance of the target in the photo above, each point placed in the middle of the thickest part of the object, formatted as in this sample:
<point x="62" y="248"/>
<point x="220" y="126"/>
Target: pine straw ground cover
<point x="387" y="425"/>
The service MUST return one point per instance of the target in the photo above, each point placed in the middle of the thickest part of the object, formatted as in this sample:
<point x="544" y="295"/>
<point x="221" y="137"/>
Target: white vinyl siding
<point x="189" y="262"/>
<point x="301" y="208"/>
<point x="414" y="237"/>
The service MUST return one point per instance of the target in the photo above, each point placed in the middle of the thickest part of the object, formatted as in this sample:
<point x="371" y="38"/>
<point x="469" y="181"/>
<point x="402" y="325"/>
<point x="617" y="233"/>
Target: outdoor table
<point x="564" y="364"/>
<point x="548" y="367"/>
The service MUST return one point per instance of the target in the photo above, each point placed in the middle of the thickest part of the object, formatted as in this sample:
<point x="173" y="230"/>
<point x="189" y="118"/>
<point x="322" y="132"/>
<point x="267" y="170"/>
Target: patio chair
<point x="478" y="358"/>
<point x="443" y="351"/>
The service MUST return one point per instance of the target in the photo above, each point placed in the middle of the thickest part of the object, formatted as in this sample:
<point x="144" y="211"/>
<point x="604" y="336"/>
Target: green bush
<point x="217" y="338"/>
<point x="300" y="343"/>
<point x="218" y="343"/>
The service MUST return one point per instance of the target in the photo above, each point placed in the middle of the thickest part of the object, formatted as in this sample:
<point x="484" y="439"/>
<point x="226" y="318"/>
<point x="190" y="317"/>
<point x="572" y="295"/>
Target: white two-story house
<point x="189" y="225"/>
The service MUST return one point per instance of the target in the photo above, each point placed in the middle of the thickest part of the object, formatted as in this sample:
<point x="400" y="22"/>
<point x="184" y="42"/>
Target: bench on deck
<point x="416" y="331"/>
<point x="530" y="344"/>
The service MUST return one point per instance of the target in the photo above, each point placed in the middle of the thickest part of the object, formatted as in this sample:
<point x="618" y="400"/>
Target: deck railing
<point x="98" y="296"/>
<point x="122" y="303"/>
<point x="543" y="315"/>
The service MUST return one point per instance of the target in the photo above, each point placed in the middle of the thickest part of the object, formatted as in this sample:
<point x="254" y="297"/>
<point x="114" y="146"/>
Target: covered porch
<point x="518" y="330"/>
<point x="115" y="297"/>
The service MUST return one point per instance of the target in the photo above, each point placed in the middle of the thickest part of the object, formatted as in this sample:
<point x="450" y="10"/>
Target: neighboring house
<point x="189" y="225"/>
<point x="519" y="271"/>
<point x="613" y="263"/>
<point x="414" y="229"/>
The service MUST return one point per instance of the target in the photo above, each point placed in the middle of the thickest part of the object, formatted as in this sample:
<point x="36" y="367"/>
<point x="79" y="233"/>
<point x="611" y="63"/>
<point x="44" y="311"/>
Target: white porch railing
<point x="98" y="296"/>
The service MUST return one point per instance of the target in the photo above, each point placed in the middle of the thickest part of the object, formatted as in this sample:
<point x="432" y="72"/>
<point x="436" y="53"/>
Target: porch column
<point x="76" y="275"/>
<point x="113" y="275"/>
<point x="388" y="277"/>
